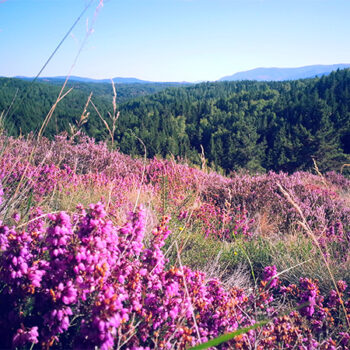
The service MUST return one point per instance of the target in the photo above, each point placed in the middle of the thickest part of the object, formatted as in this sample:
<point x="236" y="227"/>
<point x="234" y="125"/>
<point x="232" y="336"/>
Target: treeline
<point x="246" y="125"/>
<point x="25" y="105"/>
<point x="33" y="101"/>
<point x="125" y="91"/>
<point x="250" y="125"/>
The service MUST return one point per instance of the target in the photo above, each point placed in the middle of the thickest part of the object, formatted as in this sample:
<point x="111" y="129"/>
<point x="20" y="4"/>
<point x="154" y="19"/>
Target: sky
<point x="170" y="40"/>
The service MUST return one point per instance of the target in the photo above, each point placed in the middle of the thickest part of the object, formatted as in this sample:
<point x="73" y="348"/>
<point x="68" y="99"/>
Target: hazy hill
<point x="279" y="74"/>
<point x="116" y="80"/>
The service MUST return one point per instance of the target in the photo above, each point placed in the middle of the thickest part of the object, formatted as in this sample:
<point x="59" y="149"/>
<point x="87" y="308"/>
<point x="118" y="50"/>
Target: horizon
<point x="154" y="81"/>
<point x="180" y="81"/>
<point x="172" y="41"/>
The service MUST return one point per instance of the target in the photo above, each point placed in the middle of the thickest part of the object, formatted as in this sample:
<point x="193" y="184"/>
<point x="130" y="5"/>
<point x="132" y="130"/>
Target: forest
<point x="243" y="125"/>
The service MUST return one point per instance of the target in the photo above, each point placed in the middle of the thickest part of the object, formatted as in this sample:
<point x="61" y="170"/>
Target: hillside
<point x="279" y="74"/>
<point x="246" y="125"/>
<point x="257" y="126"/>
<point x="33" y="102"/>
<point x="99" y="250"/>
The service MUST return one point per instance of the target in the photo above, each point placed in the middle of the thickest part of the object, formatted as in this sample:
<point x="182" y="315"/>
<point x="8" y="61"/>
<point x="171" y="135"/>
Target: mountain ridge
<point x="116" y="80"/>
<point x="257" y="74"/>
<point x="281" y="74"/>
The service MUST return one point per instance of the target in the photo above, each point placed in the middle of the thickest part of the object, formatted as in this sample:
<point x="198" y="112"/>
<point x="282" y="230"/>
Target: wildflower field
<point x="100" y="250"/>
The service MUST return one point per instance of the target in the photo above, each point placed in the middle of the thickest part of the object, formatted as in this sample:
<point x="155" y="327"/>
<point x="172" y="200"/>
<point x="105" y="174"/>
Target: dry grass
<point x="87" y="193"/>
<point x="303" y="223"/>
<point x="239" y="277"/>
<point x="265" y="224"/>
<point x="296" y="249"/>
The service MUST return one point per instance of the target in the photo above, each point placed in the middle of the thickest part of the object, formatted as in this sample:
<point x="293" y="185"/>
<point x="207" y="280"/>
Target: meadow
<point x="102" y="250"/>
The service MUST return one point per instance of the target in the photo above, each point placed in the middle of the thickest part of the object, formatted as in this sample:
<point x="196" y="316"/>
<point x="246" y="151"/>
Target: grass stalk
<point x="186" y="290"/>
<point x="303" y="223"/>
<point x="143" y="172"/>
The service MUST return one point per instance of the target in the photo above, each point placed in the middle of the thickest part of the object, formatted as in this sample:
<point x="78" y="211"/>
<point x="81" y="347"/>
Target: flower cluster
<point x="109" y="281"/>
<point x="82" y="282"/>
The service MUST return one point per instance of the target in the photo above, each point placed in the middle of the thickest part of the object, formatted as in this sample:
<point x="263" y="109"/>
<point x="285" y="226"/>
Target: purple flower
<point x="269" y="276"/>
<point x="25" y="336"/>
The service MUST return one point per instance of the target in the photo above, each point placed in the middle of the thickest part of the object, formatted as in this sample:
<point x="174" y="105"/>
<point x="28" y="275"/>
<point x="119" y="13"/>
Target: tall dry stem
<point x="203" y="160"/>
<point x="342" y="167"/>
<point x="74" y="130"/>
<point x="187" y="293"/>
<point x="60" y="97"/>
<point x="4" y="114"/>
<point x="61" y="94"/>
<point x="57" y="48"/>
<point x="2" y="126"/>
<point x="143" y="172"/>
<point x="114" y="117"/>
<point x="319" y="173"/>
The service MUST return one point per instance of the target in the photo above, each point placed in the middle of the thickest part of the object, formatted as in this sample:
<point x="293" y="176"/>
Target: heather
<point x="98" y="249"/>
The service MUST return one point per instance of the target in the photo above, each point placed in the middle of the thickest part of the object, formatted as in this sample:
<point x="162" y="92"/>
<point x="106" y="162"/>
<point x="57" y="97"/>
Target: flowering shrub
<point x="60" y="164"/>
<point x="1" y="194"/>
<point x="322" y="203"/>
<point x="81" y="278"/>
<point x="104" y="278"/>
<point x="98" y="285"/>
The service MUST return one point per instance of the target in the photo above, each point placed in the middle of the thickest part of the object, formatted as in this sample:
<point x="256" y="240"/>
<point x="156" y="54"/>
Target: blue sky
<point x="172" y="40"/>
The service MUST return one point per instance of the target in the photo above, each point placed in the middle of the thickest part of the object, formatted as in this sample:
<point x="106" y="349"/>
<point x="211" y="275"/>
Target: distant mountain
<point x="117" y="80"/>
<point x="89" y="80"/>
<point x="279" y="74"/>
<point x="102" y="89"/>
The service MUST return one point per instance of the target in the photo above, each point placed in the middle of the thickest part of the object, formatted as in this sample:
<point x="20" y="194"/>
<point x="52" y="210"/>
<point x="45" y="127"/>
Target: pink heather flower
<point x="23" y="336"/>
<point x="69" y="295"/>
<point x="16" y="216"/>
<point x="172" y="289"/>
<point x="14" y="261"/>
<point x="143" y="272"/>
<point x="23" y="267"/>
<point x="309" y="293"/>
<point x="174" y="312"/>
<point x="35" y="276"/>
<point x="345" y="338"/>
<point x="101" y="326"/>
<point x="342" y="285"/>
<point x="1" y="194"/>
<point x="97" y="210"/>
<point x="183" y="215"/>
<point x="269" y="276"/>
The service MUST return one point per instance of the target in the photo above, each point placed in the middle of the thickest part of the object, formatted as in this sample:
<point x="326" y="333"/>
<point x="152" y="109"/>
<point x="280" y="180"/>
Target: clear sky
<point x="172" y="40"/>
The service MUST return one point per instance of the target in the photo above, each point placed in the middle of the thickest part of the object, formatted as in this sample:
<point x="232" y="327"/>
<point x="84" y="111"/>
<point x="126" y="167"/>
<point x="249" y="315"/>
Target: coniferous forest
<point x="256" y="126"/>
